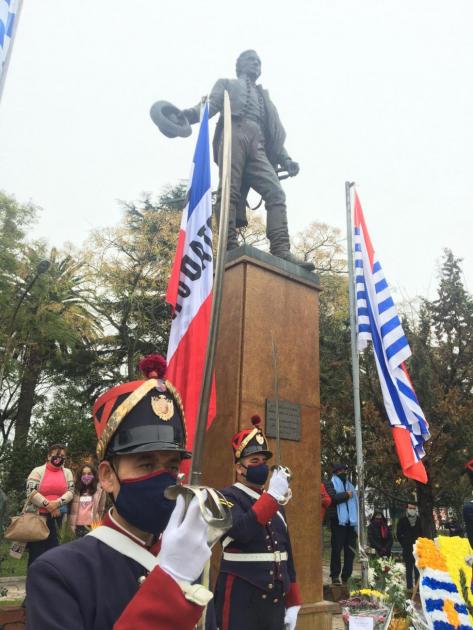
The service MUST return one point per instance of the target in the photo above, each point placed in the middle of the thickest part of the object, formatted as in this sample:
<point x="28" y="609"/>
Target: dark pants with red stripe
<point x="240" y="605"/>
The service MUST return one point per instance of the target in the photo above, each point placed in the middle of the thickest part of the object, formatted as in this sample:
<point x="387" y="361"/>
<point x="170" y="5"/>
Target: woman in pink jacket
<point x="49" y="489"/>
<point x="88" y="504"/>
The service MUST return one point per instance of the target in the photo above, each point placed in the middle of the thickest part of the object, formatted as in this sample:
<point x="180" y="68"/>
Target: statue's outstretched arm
<point x="215" y="103"/>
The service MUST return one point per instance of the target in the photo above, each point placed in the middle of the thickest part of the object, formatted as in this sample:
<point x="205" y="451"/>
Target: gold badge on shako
<point x="259" y="438"/>
<point x="162" y="407"/>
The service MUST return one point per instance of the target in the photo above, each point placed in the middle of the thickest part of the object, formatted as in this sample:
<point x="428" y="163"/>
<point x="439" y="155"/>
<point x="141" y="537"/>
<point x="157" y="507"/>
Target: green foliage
<point x="81" y="326"/>
<point x="388" y="577"/>
<point x="65" y="533"/>
<point x="63" y="420"/>
<point x="11" y="567"/>
<point x="441" y="338"/>
<point x="130" y="266"/>
<point x="78" y="327"/>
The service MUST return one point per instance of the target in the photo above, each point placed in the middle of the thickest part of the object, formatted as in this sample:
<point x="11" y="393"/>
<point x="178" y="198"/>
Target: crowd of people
<point x="139" y="558"/>
<point x="339" y="506"/>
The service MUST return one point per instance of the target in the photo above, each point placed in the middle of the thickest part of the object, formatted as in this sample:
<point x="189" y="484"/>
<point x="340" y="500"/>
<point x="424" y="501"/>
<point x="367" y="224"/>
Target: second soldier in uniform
<point x="256" y="587"/>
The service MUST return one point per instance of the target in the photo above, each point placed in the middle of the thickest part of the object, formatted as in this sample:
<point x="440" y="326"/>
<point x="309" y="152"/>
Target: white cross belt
<point x="277" y="556"/>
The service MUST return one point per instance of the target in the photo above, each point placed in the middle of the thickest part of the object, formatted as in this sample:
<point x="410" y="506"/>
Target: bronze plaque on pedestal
<point x="289" y="420"/>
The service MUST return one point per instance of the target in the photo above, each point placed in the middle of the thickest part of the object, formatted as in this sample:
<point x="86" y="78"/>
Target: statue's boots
<point x="278" y="235"/>
<point x="232" y="238"/>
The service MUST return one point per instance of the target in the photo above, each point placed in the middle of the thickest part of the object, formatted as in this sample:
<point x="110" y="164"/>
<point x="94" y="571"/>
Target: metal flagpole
<point x="203" y="411"/>
<point x="12" y="39"/>
<point x="362" y="538"/>
<point x="198" y="449"/>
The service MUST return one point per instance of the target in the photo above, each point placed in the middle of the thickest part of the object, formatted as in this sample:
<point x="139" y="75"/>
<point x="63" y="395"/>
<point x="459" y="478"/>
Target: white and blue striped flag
<point x="378" y="322"/>
<point x="9" y="10"/>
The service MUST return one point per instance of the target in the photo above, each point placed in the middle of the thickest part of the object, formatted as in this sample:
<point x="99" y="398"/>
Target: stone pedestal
<point x="264" y="296"/>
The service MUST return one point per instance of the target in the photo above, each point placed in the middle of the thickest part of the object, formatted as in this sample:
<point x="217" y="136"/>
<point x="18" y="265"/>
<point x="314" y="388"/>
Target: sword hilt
<point x="213" y="506"/>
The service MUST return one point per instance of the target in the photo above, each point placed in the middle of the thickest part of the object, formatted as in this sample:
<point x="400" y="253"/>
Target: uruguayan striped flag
<point x="378" y="322"/>
<point x="8" y="15"/>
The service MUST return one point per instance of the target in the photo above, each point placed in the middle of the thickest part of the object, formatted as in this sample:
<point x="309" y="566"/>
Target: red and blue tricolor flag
<point x="378" y="322"/>
<point x="189" y="289"/>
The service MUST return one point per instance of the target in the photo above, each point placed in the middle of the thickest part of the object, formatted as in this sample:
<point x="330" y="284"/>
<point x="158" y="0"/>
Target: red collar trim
<point x="109" y="521"/>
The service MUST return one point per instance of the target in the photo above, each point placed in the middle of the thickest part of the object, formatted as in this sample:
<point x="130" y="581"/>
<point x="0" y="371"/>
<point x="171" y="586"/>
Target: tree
<point x="255" y="232"/>
<point x="14" y="221"/>
<point x="53" y="321"/>
<point x="442" y="346"/>
<point x="322" y="244"/>
<point x="441" y="368"/>
<point x="130" y="266"/>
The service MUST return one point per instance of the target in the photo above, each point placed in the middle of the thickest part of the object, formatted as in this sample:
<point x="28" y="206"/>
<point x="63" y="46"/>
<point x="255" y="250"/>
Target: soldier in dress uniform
<point x="256" y="587"/>
<point x="112" y="578"/>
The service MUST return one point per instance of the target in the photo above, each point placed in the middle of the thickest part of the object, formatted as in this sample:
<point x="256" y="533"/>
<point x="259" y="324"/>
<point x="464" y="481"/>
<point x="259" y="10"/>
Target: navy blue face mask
<point x="141" y="502"/>
<point x="257" y="474"/>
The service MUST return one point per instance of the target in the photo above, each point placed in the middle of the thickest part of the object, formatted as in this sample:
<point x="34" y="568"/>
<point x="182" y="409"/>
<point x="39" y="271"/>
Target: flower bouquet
<point x="366" y="603"/>
<point x="444" y="591"/>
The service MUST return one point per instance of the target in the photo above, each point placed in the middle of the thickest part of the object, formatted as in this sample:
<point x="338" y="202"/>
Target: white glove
<point x="184" y="549"/>
<point x="469" y="561"/>
<point x="279" y="485"/>
<point x="290" y="618"/>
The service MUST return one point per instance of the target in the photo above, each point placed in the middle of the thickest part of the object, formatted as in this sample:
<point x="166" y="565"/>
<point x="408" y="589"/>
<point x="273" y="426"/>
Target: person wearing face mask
<point x="256" y="587"/>
<point x="409" y="529"/>
<point x="343" y="516"/>
<point x="49" y="488"/>
<point x="88" y="504"/>
<point x="380" y="537"/>
<point x="138" y="569"/>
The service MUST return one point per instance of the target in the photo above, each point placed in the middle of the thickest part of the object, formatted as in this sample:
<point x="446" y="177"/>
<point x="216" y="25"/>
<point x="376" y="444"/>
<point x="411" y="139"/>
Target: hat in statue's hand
<point x="170" y="120"/>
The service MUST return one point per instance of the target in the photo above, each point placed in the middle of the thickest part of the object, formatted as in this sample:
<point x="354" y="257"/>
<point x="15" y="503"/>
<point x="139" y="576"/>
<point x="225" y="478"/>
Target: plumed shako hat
<point x="250" y="441"/>
<point x="141" y="416"/>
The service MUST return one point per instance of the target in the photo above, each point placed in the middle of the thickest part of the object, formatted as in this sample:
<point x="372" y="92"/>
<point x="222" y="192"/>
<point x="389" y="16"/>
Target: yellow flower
<point x="428" y="556"/>
<point x="455" y="550"/>
<point x="452" y="615"/>
<point x="369" y="593"/>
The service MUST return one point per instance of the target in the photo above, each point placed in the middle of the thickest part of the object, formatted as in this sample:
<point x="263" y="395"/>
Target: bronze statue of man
<point x="257" y="152"/>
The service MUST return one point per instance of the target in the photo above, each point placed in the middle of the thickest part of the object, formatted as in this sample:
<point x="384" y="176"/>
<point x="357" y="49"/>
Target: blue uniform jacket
<point x="87" y="585"/>
<point x="248" y="536"/>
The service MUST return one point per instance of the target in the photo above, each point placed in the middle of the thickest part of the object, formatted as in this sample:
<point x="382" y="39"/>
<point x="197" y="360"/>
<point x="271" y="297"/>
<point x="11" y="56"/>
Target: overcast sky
<point x="375" y="91"/>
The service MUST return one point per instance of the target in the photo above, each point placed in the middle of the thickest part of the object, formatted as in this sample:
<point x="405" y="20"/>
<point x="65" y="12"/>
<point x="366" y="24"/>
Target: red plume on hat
<point x="256" y="420"/>
<point x="153" y="366"/>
